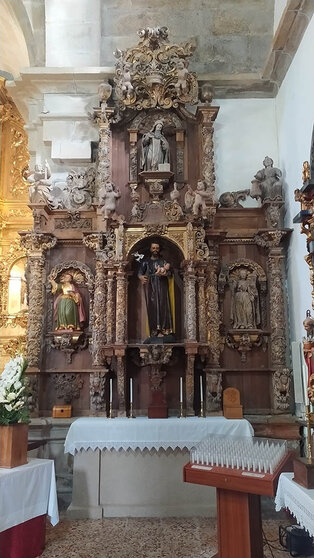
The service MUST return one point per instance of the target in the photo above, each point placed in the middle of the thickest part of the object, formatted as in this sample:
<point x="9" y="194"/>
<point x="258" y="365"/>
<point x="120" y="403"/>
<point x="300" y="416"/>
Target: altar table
<point x="298" y="500"/>
<point x="27" y="494"/>
<point x="133" y="467"/>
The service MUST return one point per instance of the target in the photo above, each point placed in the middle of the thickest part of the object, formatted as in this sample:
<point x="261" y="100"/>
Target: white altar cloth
<point x="27" y="492"/>
<point x="143" y="433"/>
<point x="299" y="501"/>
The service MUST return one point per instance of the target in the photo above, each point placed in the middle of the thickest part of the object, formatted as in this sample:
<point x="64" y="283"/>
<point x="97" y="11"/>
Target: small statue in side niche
<point x="108" y="199"/>
<point x="174" y="194"/>
<point x="182" y="72"/>
<point x="69" y="311"/>
<point x="155" y="148"/>
<point x="40" y="183"/>
<point x="127" y="86"/>
<point x="268" y="183"/>
<point x="201" y="195"/>
<point x="245" y="313"/>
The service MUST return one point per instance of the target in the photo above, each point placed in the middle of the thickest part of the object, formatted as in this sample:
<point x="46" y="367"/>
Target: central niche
<point x="138" y="323"/>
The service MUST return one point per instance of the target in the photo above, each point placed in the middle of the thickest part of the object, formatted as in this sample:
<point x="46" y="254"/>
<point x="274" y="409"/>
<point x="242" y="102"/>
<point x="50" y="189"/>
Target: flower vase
<point x="13" y="445"/>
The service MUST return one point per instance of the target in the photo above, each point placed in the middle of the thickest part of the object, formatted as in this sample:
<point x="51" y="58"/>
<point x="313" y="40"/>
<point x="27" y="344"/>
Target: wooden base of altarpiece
<point x="239" y="520"/>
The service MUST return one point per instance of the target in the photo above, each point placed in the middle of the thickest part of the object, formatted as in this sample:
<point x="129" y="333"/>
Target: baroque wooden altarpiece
<point x="212" y="247"/>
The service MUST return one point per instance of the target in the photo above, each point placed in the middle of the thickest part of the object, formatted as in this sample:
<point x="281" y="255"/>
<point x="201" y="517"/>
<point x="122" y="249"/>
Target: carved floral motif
<point x="68" y="386"/>
<point x="154" y="73"/>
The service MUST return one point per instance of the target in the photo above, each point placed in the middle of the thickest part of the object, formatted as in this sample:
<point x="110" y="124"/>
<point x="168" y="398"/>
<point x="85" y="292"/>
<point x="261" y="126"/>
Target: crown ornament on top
<point x="154" y="74"/>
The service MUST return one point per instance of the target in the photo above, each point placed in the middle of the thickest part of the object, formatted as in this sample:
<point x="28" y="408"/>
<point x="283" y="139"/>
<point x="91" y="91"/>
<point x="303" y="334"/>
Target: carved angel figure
<point x="108" y="199"/>
<point x="182" y="72"/>
<point x="69" y="311"/>
<point x="126" y="85"/>
<point x="245" y="312"/>
<point x="200" y="196"/>
<point x="40" y="183"/>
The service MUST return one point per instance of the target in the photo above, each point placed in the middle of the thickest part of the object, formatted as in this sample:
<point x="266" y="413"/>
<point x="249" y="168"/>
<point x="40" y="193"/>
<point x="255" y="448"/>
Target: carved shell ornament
<point x="154" y="74"/>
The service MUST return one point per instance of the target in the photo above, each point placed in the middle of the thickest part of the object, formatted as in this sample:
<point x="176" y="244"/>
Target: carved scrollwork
<point x="173" y="211"/>
<point x="35" y="242"/>
<point x="202" y="251"/>
<point x="158" y="230"/>
<point x="69" y="343"/>
<point x="68" y="386"/>
<point x="32" y="389"/>
<point x="154" y="73"/>
<point x="73" y="221"/>
<point x="97" y="382"/>
<point x="87" y="276"/>
<point x="282" y="387"/>
<point x="213" y="390"/>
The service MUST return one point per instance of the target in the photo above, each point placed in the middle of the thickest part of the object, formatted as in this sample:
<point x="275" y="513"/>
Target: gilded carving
<point x="73" y="221"/>
<point x="213" y="314"/>
<point x="15" y="346"/>
<point x="99" y="324"/>
<point x="121" y="305"/>
<point x="154" y="73"/>
<point x="190" y="301"/>
<point x="201" y="248"/>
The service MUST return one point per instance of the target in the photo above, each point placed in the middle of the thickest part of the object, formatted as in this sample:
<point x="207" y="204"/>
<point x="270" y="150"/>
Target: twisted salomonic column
<point x="99" y="323"/>
<point x="36" y="244"/>
<point x="190" y="302"/>
<point x="271" y="240"/>
<point x="201" y="303"/>
<point x="121" y="305"/>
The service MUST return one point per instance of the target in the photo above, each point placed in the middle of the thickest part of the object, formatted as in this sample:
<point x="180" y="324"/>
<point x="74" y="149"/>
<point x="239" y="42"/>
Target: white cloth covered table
<point x="26" y="492"/>
<point x="298" y="500"/>
<point x="140" y="433"/>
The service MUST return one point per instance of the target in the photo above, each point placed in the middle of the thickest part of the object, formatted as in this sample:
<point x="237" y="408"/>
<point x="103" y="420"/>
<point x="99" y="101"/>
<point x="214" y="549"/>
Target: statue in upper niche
<point x="40" y="183"/>
<point x="268" y="182"/>
<point x="155" y="148"/>
<point x="245" y="312"/>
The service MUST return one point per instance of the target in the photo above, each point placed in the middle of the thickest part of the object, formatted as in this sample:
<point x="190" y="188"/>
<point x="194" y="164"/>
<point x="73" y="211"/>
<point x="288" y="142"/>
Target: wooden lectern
<point x="239" y="521"/>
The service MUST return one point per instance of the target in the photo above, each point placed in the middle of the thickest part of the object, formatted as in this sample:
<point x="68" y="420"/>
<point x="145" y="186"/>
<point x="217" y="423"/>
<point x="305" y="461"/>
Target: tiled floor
<point x="145" y="538"/>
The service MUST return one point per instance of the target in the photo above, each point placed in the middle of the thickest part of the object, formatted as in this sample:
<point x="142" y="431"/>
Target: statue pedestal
<point x="157" y="407"/>
<point x="155" y="182"/>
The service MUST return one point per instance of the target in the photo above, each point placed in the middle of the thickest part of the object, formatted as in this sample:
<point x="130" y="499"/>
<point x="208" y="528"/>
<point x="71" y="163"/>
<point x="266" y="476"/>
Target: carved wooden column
<point x="36" y="245"/>
<point x="104" y="149"/>
<point x="121" y="385"/>
<point x="189" y="384"/>
<point x="99" y="323"/>
<point x="213" y="315"/>
<point x="110" y="305"/>
<point x="206" y="116"/>
<point x="278" y="317"/>
<point x="201" y="302"/>
<point x="180" y="155"/>
<point x="121" y="305"/>
<point x="190" y="302"/>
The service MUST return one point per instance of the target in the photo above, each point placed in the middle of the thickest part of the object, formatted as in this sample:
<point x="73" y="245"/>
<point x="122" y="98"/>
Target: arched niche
<point x="137" y="315"/>
<point x="17" y="291"/>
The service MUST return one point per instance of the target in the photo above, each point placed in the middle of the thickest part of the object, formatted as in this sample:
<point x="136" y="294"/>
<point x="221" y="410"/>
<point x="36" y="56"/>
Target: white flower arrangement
<point x="13" y="407"/>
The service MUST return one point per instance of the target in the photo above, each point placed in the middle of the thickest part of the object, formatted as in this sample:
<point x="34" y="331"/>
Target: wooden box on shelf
<point x="231" y="404"/>
<point x="62" y="411"/>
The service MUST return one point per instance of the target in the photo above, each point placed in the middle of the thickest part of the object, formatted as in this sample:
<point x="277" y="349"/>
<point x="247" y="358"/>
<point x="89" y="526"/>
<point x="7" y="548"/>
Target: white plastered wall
<point x="294" y="119"/>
